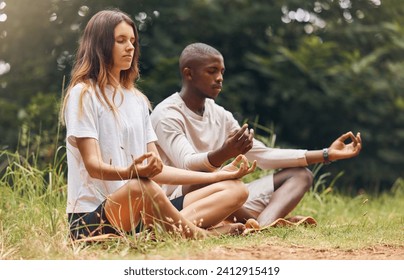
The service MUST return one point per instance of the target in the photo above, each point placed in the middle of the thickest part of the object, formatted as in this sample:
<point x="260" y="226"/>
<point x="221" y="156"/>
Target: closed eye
<point x="124" y="39"/>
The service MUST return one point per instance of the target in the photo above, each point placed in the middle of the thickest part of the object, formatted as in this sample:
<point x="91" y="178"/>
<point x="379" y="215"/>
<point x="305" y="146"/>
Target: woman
<point x="114" y="169"/>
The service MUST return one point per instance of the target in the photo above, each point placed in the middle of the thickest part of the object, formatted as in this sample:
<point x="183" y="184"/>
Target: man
<point x="195" y="133"/>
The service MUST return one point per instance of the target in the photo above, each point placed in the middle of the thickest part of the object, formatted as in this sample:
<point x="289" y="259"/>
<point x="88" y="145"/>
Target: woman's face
<point x="123" y="50"/>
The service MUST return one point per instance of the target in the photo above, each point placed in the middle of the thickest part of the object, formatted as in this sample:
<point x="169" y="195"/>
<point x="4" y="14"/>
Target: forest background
<point x="306" y="71"/>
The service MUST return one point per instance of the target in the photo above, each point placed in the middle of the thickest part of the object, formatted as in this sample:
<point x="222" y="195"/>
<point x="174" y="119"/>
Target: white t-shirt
<point x="122" y="137"/>
<point x="186" y="138"/>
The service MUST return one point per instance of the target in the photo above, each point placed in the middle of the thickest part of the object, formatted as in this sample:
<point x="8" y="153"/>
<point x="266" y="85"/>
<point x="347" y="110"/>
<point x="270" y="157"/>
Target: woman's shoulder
<point x="80" y="88"/>
<point x="141" y="97"/>
<point x="81" y="92"/>
<point x="137" y="91"/>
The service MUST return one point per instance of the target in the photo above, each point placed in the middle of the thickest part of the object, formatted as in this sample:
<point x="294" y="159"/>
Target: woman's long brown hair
<point x="94" y="58"/>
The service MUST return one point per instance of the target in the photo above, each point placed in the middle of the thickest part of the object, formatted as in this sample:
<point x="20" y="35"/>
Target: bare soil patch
<point x="297" y="252"/>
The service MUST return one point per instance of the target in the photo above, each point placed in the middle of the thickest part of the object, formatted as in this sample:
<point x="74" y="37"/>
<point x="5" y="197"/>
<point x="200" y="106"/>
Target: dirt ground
<point x="276" y="252"/>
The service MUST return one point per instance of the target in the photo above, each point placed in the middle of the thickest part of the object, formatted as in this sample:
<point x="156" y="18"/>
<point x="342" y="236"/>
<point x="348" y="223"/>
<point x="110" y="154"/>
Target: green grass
<point x="33" y="221"/>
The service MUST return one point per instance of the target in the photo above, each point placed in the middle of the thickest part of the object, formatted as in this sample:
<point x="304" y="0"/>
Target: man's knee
<point x="306" y="176"/>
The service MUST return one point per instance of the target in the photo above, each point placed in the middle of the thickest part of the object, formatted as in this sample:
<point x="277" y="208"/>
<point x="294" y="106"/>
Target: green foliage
<point x="344" y="64"/>
<point x="311" y="69"/>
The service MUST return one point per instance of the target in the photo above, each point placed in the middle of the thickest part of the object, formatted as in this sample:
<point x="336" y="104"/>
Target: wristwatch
<point x="325" y="156"/>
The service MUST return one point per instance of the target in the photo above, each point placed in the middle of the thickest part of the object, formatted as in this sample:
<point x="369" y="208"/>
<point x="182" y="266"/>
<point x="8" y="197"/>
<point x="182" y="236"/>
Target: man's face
<point x="207" y="75"/>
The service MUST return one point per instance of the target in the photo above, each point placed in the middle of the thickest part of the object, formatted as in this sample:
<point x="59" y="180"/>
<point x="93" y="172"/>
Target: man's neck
<point x="195" y="103"/>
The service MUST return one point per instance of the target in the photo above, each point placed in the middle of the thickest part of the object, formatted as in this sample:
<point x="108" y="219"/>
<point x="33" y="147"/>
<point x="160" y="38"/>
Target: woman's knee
<point x="142" y="187"/>
<point x="238" y="191"/>
<point x="149" y="190"/>
<point x="135" y="187"/>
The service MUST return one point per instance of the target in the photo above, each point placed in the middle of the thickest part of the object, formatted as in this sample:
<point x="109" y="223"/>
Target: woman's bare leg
<point x="144" y="200"/>
<point x="211" y="204"/>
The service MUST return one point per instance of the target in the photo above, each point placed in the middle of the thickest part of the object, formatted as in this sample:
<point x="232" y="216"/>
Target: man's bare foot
<point x="304" y="220"/>
<point x="252" y="224"/>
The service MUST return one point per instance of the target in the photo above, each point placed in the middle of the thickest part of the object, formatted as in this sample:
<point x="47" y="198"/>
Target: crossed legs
<point x="290" y="185"/>
<point x="144" y="200"/>
<point x="266" y="204"/>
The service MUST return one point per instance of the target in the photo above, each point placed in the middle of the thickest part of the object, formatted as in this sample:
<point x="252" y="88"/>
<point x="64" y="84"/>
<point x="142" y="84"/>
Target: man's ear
<point x="187" y="73"/>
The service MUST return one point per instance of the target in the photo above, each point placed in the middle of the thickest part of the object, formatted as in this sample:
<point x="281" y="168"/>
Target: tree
<point x="311" y="69"/>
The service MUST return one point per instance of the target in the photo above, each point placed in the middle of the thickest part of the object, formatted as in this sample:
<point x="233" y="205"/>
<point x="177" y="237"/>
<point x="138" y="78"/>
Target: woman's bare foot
<point x="227" y="229"/>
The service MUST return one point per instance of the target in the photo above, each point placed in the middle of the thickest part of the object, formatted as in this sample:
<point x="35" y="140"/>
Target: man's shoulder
<point x="168" y="107"/>
<point x="171" y="101"/>
<point x="212" y="103"/>
<point x="214" y="108"/>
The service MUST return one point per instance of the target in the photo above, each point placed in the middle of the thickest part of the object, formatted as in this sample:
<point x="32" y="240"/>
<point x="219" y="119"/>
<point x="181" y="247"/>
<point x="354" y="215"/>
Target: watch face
<point x="325" y="156"/>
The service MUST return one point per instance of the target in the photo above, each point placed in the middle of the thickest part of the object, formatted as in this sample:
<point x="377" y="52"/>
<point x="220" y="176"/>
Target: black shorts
<point x="178" y="202"/>
<point x="90" y="224"/>
<point x="96" y="223"/>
